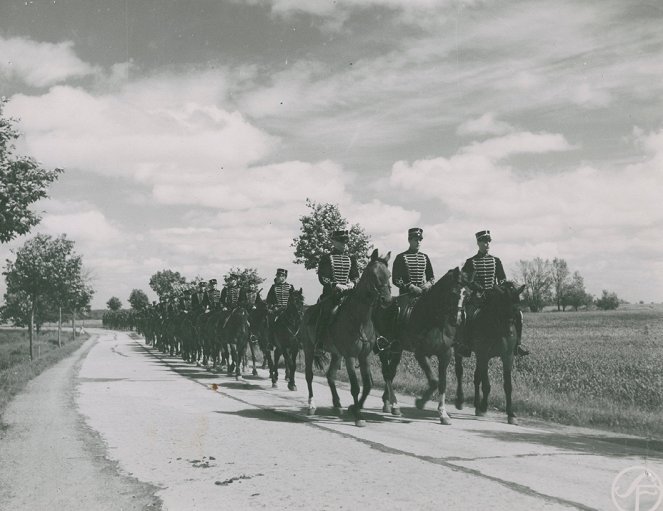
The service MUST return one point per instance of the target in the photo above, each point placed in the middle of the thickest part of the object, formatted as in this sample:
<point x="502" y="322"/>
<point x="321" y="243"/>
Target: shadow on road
<point x="618" y="447"/>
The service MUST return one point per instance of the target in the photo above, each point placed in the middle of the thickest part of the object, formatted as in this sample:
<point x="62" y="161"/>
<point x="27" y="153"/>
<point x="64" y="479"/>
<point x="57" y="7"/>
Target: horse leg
<point x="275" y="372"/>
<point x="253" y="358"/>
<point x="460" y="396"/>
<point x="334" y="366"/>
<point x="308" y="372"/>
<point x="366" y="382"/>
<point x="432" y="382"/>
<point x="477" y="385"/>
<point x="443" y="360"/>
<point x="291" y="363"/>
<point x="354" y="389"/>
<point x="481" y="379"/>
<point x="390" y="361"/>
<point x="507" y="366"/>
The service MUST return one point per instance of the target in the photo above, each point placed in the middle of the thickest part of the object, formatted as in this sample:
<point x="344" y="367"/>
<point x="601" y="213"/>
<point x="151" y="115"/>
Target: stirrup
<point x="382" y="343"/>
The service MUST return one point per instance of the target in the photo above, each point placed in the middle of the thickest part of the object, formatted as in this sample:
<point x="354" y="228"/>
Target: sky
<point x="192" y="133"/>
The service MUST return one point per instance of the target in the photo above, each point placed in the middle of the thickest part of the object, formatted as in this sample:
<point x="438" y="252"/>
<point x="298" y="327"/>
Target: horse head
<point x="296" y="302"/>
<point x="375" y="280"/>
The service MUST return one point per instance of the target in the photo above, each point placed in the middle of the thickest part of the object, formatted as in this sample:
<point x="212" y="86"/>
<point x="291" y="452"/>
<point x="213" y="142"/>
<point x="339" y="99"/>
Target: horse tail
<point x="320" y="359"/>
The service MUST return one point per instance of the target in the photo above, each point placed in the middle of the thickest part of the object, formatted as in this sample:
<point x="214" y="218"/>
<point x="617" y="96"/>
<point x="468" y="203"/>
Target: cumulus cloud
<point x="487" y="124"/>
<point x="519" y="143"/>
<point x="41" y="64"/>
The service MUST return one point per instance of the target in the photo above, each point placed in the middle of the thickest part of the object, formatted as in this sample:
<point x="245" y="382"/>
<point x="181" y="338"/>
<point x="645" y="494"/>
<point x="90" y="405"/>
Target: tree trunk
<point x="59" y="326"/>
<point x="32" y="322"/>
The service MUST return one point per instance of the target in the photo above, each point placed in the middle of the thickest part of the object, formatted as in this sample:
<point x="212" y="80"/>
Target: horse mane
<point x="428" y="307"/>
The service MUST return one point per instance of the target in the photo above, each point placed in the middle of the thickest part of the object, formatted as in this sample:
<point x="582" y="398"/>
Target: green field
<point x="16" y="369"/>
<point x="601" y="369"/>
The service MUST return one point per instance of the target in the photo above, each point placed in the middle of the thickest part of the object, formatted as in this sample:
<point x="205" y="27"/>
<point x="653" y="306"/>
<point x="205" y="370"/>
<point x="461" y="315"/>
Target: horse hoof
<point x="292" y="387"/>
<point x="445" y="421"/>
<point x="419" y="403"/>
<point x="338" y="410"/>
<point x="396" y="411"/>
<point x="360" y="423"/>
<point x="479" y="413"/>
<point x="255" y="372"/>
<point x="459" y="404"/>
<point x="310" y="410"/>
<point x="386" y="407"/>
<point x="275" y="385"/>
<point x="514" y="421"/>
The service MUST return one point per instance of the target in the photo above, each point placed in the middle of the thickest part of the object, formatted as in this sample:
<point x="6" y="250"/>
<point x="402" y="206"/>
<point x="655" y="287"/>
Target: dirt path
<point x="245" y="445"/>
<point x="51" y="460"/>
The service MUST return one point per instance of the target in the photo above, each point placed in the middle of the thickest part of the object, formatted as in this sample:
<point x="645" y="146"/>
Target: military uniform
<point x="337" y="272"/>
<point x="199" y="300"/>
<point x="213" y="300"/>
<point x="230" y="297"/>
<point x="279" y="293"/>
<point x="412" y="267"/>
<point x="488" y="273"/>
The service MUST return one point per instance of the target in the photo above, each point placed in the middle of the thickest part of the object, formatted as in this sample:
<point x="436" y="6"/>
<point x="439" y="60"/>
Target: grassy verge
<point x="16" y="369"/>
<point x="596" y="369"/>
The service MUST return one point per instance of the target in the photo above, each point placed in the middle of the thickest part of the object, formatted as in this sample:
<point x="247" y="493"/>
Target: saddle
<point x="405" y="304"/>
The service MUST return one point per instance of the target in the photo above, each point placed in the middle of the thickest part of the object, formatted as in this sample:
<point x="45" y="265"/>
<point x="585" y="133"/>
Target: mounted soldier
<point x="338" y="273"/>
<point x="412" y="273"/>
<point x="248" y="295"/>
<point x="199" y="299"/>
<point x="277" y="297"/>
<point x="213" y="301"/>
<point x="488" y="273"/>
<point x="230" y="294"/>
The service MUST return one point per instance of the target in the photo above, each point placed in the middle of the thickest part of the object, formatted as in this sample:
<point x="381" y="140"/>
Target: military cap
<point x="415" y="232"/>
<point x="201" y="284"/>
<point x="341" y="235"/>
<point x="481" y="235"/>
<point x="282" y="271"/>
<point x="212" y="281"/>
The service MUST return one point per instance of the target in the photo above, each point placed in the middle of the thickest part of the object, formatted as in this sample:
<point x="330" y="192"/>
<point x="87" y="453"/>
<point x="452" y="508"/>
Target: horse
<point x="236" y="333"/>
<point x="258" y="318"/>
<point x="430" y="331"/>
<point x="350" y="335"/>
<point x="493" y="334"/>
<point x="284" y="335"/>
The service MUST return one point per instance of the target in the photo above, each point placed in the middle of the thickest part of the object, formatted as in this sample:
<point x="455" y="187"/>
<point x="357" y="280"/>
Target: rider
<point x="248" y="295"/>
<point x="230" y="294"/>
<point x="412" y="272"/>
<point x="199" y="299"/>
<point x="488" y="272"/>
<point x="277" y="297"/>
<point x="337" y="272"/>
<point x="213" y="295"/>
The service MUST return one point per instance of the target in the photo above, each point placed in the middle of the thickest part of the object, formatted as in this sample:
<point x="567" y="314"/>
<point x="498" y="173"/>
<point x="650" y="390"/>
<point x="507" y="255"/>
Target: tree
<point x="560" y="280"/>
<point x="114" y="303"/>
<point x="575" y="295"/>
<point x="537" y="277"/>
<point x="315" y="237"/>
<point x="138" y="300"/>
<point x="22" y="183"/>
<point x="164" y="283"/>
<point x="44" y="268"/>
<point x="244" y="276"/>
<point x="608" y="301"/>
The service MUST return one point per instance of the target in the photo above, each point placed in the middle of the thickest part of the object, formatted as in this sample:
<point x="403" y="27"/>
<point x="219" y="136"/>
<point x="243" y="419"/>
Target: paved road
<point x="140" y="430"/>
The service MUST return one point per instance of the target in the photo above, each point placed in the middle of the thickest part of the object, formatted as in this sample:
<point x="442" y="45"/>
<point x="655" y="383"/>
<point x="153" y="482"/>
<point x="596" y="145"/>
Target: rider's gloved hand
<point x="415" y="290"/>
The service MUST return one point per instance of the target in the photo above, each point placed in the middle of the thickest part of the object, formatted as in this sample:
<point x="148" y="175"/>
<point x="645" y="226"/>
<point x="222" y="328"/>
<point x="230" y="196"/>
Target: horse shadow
<point x="585" y="443"/>
<point x="322" y="416"/>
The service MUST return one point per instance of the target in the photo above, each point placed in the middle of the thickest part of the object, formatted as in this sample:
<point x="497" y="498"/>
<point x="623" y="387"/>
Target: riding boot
<point x="520" y="350"/>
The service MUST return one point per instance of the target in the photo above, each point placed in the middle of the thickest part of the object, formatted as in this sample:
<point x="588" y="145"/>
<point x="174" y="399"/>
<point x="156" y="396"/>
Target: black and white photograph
<point x="331" y="255"/>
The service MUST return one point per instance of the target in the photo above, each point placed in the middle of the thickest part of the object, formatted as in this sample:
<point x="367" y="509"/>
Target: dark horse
<point x="493" y="334"/>
<point x="430" y="331"/>
<point x="351" y="335"/>
<point x="258" y="317"/>
<point x="284" y="335"/>
<point x="236" y="333"/>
